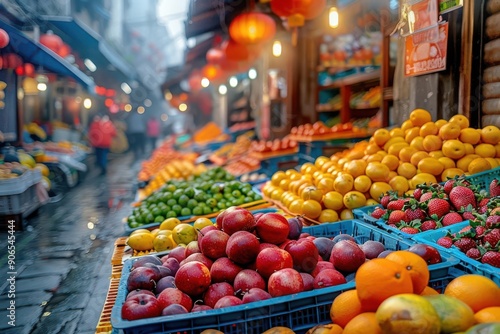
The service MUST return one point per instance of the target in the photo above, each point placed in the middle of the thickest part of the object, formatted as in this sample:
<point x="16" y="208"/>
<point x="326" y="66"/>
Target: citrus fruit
<point x="493" y="162"/>
<point x="362" y="183"/>
<point x="464" y="162"/>
<point x="390" y="160"/>
<point x="478" y="165"/>
<point x="469" y="149"/>
<point x="461" y="120"/>
<point x="429" y="128"/>
<point x="345" y="307"/>
<point x="381" y="136"/>
<point x="408" y="313"/>
<point x="140" y="230"/>
<point x="485" y="150"/>
<point x="397" y="132"/>
<point x="279" y="330"/>
<point x="411" y="134"/>
<point x="453" y="149"/>
<point x="454" y="314"/>
<point x="440" y="122"/>
<point x="277" y="177"/>
<point x="422" y="178"/>
<point x="371" y="201"/>
<point x="355" y="167"/>
<point x="476" y="291"/>
<point x="469" y="136"/>
<point x="407" y="125"/>
<point x="354" y="200"/>
<point x="392" y="141"/>
<point x="311" y="209"/>
<point x="377" y="171"/>
<point x="328" y="216"/>
<point x="447" y="162"/>
<point x="325" y="329"/>
<point x="184" y="234"/>
<point x="296" y="206"/>
<point x="364" y="323"/>
<point x="416" y="157"/>
<point x="407" y="170"/>
<point x="486" y="328"/>
<point x="343" y="183"/>
<point x="418" y="143"/>
<point x="450" y="173"/>
<point x="419" y="117"/>
<point x="346" y="214"/>
<point x="416" y="266"/>
<point x="320" y="161"/>
<point x="325" y="184"/>
<point x="311" y="193"/>
<point x="378" y="279"/>
<point x="428" y="291"/>
<point x="406" y="153"/>
<point x="141" y="241"/>
<point x="490" y="135"/>
<point x="378" y="189"/>
<point x="162" y="243"/>
<point x="395" y="148"/>
<point x="488" y="314"/>
<point x="333" y="200"/>
<point x="399" y="184"/>
<point x="169" y="224"/>
<point x="430" y="166"/>
<point x="201" y="223"/>
<point x="432" y="143"/>
<point x="450" y="131"/>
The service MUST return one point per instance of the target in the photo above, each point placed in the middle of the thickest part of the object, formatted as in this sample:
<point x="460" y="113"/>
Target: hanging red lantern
<point x="19" y="70"/>
<point x="108" y="102"/>
<point x="309" y="9"/>
<point x="51" y="41"/>
<point x="235" y="51"/>
<point x="29" y="70"/>
<point x="12" y="60"/>
<point x="314" y="9"/>
<point x="4" y="38"/>
<point x="252" y="28"/>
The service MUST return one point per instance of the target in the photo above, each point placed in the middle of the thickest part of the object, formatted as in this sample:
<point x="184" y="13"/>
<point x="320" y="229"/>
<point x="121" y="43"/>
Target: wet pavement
<point x="62" y="258"/>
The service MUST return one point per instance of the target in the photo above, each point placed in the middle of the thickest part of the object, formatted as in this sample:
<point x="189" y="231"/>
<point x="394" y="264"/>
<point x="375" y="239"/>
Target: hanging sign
<point x="419" y="15"/>
<point x="425" y="51"/>
<point x="446" y="6"/>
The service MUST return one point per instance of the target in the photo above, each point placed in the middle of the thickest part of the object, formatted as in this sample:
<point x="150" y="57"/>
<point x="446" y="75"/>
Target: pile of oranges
<point x="420" y="151"/>
<point x="392" y="296"/>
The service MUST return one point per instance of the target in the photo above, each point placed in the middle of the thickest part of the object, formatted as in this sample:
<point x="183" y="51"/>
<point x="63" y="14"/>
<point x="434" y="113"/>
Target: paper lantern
<point x="309" y="9"/>
<point x="51" y="41"/>
<point x="4" y="38"/>
<point x="252" y="28"/>
<point x="29" y="70"/>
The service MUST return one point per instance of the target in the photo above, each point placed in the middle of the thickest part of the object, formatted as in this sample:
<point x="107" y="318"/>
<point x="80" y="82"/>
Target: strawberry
<point x="385" y="200"/>
<point x="392" y="225"/>
<point x="448" y="185"/>
<point x="493" y="221"/>
<point x="494" y="188"/>
<point x="417" y="193"/>
<point x="413" y="214"/>
<point x="397" y="216"/>
<point x="378" y="213"/>
<point x="426" y="197"/>
<point x="484" y="202"/>
<point x="428" y="225"/>
<point x="410" y="230"/>
<point x="461" y="197"/>
<point x="492" y="237"/>
<point x="482" y="209"/>
<point x="467" y="215"/>
<point x="465" y="229"/>
<point x="464" y="244"/>
<point x="438" y="207"/>
<point x="396" y="204"/>
<point x="473" y="253"/>
<point x="445" y="242"/>
<point x="480" y="231"/>
<point x="491" y="258"/>
<point x="452" y="218"/>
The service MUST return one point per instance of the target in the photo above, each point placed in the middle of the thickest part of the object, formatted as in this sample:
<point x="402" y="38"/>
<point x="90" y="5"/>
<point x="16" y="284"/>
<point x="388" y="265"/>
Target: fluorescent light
<point x="126" y="88"/>
<point x="205" y="82"/>
<point x="252" y="73"/>
<point x="277" y="48"/>
<point x="148" y="103"/>
<point x="87" y="103"/>
<point x="90" y="65"/>
<point x="233" y="81"/>
<point x="333" y="17"/>
<point x="222" y="90"/>
<point x="41" y="86"/>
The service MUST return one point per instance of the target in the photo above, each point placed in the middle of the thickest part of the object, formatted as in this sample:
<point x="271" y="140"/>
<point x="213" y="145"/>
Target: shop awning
<point x="37" y="54"/>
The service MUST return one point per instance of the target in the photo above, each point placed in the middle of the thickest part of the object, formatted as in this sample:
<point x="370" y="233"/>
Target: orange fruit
<point x="277" y="177"/>
<point x="395" y="148"/>
<point x="324" y="329"/>
<point x="325" y="184"/>
<point x="296" y="206"/>
<point x="427" y="129"/>
<point x="450" y="131"/>
<point x="374" y="158"/>
<point x="493" y="162"/>
<point x="381" y="136"/>
<point x="432" y="143"/>
<point x="406" y="153"/>
<point x="343" y="183"/>
<point x="440" y="122"/>
<point x="469" y="149"/>
<point x="379" y="279"/>
<point x="364" y="323"/>
<point x="461" y="120"/>
<point x="378" y="189"/>
<point x="436" y="154"/>
<point x="478" y="165"/>
<point x="393" y="140"/>
<point x="397" y="132"/>
<point x="362" y="183"/>
<point x="356" y="167"/>
<point x="485" y="150"/>
<point x="407" y="125"/>
<point x="418" y="143"/>
<point x="470" y="136"/>
<point x="407" y="170"/>
<point x="333" y="200"/>
<point x="419" y="117"/>
<point x="428" y="291"/>
<point x="311" y="209"/>
<point x="488" y="314"/>
<point x="320" y="161"/>
<point x="346" y="214"/>
<point x="412" y="133"/>
<point x="447" y="162"/>
<point x="416" y="266"/>
<point x="421" y="178"/>
<point x="477" y="291"/>
<point x="463" y="163"/>
<point x="377" y="171"/>
<point x="391" y="161"/>
<point x="328" y="216"/>
<point x="453" y="149"/>
<point x="285" y="184"/>
<point x="345" y="307"/>
<point x="415" y="159"/>
<point x="311" y="193"/>
<point x="490" y="135"/>
<point x="372" y="149"/>
<point x="354" y="200"/>
<point x="399" y="184"/>
<point x="497" y="149"/>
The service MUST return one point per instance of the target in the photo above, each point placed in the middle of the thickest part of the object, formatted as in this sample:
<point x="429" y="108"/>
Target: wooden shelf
<point x="353" y="80"/>
<point x="388" y="94"/>
<point x="327" y="110"/>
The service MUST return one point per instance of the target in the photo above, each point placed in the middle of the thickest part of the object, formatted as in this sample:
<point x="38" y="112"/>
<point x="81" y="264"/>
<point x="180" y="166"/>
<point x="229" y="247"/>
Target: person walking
<point x="136" y="127"/>
<point x="153" y="131"/>
<point x="101" y="133"/>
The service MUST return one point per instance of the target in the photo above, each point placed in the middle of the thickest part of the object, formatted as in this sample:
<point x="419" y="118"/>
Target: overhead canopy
<point x="37" y="54"/>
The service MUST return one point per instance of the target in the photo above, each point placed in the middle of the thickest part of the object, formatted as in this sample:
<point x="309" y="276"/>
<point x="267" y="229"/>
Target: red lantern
<point x="307" y="8"/>
<point x="235" y="52"/>
<point x="108" y="102"/>
<point x="29" y="70"/>
<point x="4" y="38"/>
<point x="11" y="60"/>
<point x="315" y="8"/>
<point x="51" y="41"/>
<point x="19" y="70"/>
<point x="252" y="28"/>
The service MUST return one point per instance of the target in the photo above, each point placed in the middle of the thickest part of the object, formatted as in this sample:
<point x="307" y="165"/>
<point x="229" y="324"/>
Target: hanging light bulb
<point x="277" y="48"/>
<point x="333" y="17"/>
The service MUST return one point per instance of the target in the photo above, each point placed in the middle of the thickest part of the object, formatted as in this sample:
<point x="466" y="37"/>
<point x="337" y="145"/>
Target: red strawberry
<point x="378" y="213"/>
<point x="392" y="225"/>
<point x="482" y="209"/>
<point x="491" y="258"/>
<point x="484" y="202"/>
<point x="385" y="200"/>
<point x="464" y="244"/>
<point x="438" y="207"/>
<point x="445" y="242"/>
<point x="410" y="230"/>
<point x="465" y="229"/>
<point x="494" y="188"/>
<point x="461" y="197"/>
<point x="467" y="215"/>
<point x="417" y="193"/>
<point x="428" y="225"/>
<point x="397" y="216"/>
<point x="413" y="214"/>
<point x="480" y="231"/>
<point x="451" y="218"/>
<point x="473" y="253"/>
<point x="448" y="185"/>
<point x="492" y="237"/>
<point x="425" y="197"/>
<point x="396" y="204"/>
<point x="493" y="221"/>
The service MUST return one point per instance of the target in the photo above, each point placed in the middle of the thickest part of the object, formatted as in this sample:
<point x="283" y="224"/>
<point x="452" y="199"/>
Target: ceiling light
<point x="252" y="73"/>
<point x="140" y="110"/>
<point x="233" y="81"/>
<point x="127" y="107"/>
<point x="222" y="89"/>
<point x="183" y="107"/>
<point x="333" y="17"/>
<point x="126" y="88"/>
<point x="205" y="82"/>
<point x="87" y="103"/>
<point x="41" y="86"/>
<point x="277" y="48"/>
<point x="148" y="103"/>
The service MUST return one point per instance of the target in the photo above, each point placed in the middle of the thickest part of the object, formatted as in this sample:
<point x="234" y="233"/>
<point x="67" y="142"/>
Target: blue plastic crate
<point x="364" y="214"/>
<point x="283" y="162"/>
<point x="484" y="179"/>
<point x="475" y="267"/>
<point x="299" y="312"/>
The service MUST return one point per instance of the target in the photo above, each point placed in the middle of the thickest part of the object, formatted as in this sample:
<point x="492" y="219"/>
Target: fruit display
<point x="9" y="170"/>
<point x="369" y="99"/>
<point x="209" y="133"/>
<point x="245" y="257"/>
<point x="242" y="165"/>
<point x="234" y="150"/>
<point x="253" y="177"/>
<point x="276" y="146"/>
<point x="319" y="131"/>
<point x="420" y="151"/>
<point x="205" y="194"/>
<point x="436" y="205"/>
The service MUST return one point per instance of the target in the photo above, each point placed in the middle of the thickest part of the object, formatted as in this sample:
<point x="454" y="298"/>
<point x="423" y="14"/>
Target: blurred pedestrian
<point x="153" y="131"/>
<point x="101" y="133"/>
<point x="136" y="127"/>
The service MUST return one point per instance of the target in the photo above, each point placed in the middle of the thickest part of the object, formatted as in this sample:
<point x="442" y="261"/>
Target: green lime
<point x="248" y="199"/>
<point x="257" y="197"/>
<point x="171" y="202"/>
<point x="207" y="210"/>
<point x="229" y="177"/>
<point x="186" y="212"/>
<point x="177" y="209"/>
<point x="166" y="196"/>
<point x="192" y="203"/>
<point x="178" y="193"/>
<point x="183" y="200"/>
<point x="159" y="219"/>
<point x="198" y="211"/>
<point x="149" y="218"/>
<point x="246" y="189"/>
<point x="189" y="192"/>
<point x="250" y="193"/>
<point x="221" y="205"/>
<point x="133" y="224"/>
<point x="156" y="211"/>
<point x="200" y="197"/>
<point x="165" y="210"/>
<point x="171" y="214"/>
<point x="227" y="190"/>
<point x="171" y="188"/>
<point x="215" y="189"/>
<point x="211" y="202"/>
<point x="236" y="193"/>
<point x="218" y="196"/>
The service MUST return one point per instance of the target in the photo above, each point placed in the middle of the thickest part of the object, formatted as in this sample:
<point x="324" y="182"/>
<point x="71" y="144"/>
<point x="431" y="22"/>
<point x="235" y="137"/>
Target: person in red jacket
<point x="101" y="133"/>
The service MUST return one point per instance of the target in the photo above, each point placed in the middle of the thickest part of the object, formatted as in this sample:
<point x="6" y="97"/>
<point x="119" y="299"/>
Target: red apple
<point x="142" y="278"/>
<point x="197" y="257"/>
<point x="304" y="253"/>
<point x="141" y="306"/>
<point x="372" y="248"/>
<point x="265" y="245"/>
<point x="141" y="261"/>
<point x="238" y="220"/>
<point x="285" y="282"/>
<point x="270" y="260"/>
<point x="228" y="301"/>
<point x="193" y="278"/>
<point x="247" y="279"/>
<point x="200" y="307"/>
<point x="173" y="264"/>
<point x="191" y="248"/>
<point x="224" y="270"/>
<point x="257" y="215"/>
<point x="164" y="283"/>
<point x="174" y="309"/>
<point x="295" y="227"/>
<point x="205" y="230"/>
<point x="308" y="281"/>
<point x="220" y="216"/>
<point x="322" y="265"/>
<point x="242" y="247"/>
<point x="428" y="253"/>
<point x="347" y="256"/>
<point x="178" y="253"/>
<point x="139" y="291"/>
<point x="255" y="294"/>
<point x="328" y="277"/>
<point x="156" y="269"/>
<point x="171" y="296"/>
<point x="272" y="228"/>
<point x="213" y="244"/>
<point x="324" y="246"/>
<point x="216" y="291"/>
